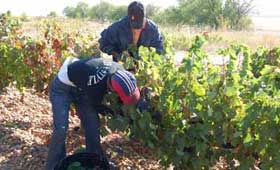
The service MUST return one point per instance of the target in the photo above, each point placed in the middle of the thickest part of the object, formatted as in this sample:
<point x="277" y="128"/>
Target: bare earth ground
<point x="25" y="128"/>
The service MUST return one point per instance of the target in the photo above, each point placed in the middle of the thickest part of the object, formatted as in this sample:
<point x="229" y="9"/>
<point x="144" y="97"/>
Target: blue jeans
<point x="61" y="96"/>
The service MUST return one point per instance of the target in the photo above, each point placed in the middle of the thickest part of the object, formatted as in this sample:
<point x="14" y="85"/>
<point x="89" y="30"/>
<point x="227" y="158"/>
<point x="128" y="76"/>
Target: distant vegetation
<point x="103" y="11"/>
<point x="52" y="14"/>
<point x="203" y="113"/>
<point x="228" y="14"/>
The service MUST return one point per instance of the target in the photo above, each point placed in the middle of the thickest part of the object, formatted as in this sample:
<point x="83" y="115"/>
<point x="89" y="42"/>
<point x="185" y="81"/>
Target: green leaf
<point x="214" y="79"/>
<point x="199" y="107"/>
<point x="75" y="166"/>
<point x="230" y="91"/>
<point x="245" y="164"/>
<point x="118" y="123"/>
<point x="237" y="134"/>
<point x="267" y="69"/>
<point x="133" y="115"/>
<point x="179" y="153"/>
<point x="80" y="149"/>
<point x="198" y="89"/>
<point x="142" y="123"/>
<point x="210" y="111"/>
<point x="151" y="144"/>
<point x="248" y="139"/>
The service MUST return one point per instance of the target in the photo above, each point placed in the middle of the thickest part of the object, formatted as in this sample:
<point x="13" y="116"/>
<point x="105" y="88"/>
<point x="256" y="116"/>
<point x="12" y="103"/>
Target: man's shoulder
<point x="151" y="25"/>
<point x="102" y="62"/>
<point x="86" y="63"/>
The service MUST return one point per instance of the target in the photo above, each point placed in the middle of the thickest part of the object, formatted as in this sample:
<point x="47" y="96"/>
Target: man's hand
<point x="143" y="105"/>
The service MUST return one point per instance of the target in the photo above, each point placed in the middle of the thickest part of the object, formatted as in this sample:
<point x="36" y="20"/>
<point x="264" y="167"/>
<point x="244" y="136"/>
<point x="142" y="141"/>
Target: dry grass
<point x="251" y="38"/>
<point x="220" y="39"/>
<point x="181" y="35"/>
<point x="34" y="26"/>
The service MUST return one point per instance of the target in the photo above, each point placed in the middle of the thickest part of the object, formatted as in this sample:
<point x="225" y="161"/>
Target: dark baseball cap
<point x="136" y="14"/>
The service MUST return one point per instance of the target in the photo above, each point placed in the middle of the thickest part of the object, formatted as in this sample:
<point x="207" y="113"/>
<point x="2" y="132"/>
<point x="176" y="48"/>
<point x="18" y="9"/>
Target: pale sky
<point x="267" y="9"/>
<point x="44" y="7"/>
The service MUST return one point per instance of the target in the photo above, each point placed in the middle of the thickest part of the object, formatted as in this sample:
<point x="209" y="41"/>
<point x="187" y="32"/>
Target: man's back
<point x="90" y="75"/>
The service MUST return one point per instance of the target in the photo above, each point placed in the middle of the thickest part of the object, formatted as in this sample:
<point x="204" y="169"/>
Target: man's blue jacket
<point x="118" y="37"/>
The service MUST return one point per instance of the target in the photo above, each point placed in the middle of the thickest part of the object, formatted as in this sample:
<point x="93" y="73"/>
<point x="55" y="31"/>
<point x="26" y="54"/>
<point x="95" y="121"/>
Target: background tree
<point x="82" y="10"/>
<point x="237" y="12"/>
<point x="215" y="13"/>
<point x="232" y="14"/>
<point x="152" y="10"/>
<point x="117" y="13"/>
<point x="52" y="14"/>
<point x="70" y="12"/>
<point x="101" y="11"/>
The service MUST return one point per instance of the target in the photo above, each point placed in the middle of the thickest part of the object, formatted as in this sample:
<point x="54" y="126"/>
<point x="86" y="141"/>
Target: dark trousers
<point x="61" y="96"/>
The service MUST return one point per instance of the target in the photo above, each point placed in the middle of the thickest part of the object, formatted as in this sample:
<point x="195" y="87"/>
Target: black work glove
<point x="143" y="105"/>
<point x="145" y="98"/>
<point x="157" y="116"/>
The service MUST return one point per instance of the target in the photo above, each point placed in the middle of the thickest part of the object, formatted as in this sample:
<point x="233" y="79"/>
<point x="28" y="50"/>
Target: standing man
<point x="131" y="32"/>
<point x="84" y="83"/>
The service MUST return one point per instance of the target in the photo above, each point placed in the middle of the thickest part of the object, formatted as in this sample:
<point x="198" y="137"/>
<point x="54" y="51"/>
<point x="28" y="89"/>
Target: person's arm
<point x="108" y="43"/>
<point x="157" y="41"/>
